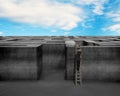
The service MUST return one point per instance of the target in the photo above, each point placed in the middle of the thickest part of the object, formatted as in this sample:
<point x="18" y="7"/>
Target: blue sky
<point x="60" y="17"/>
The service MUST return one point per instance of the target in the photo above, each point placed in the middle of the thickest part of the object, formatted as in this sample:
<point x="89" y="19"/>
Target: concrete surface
<point x="56" y="60"/>
<point x="101" y="63"/>
<point x="64" y="88"/>
<point x="19" y="62"/>
<point x="53" y="61"/>
<point x="69" y="60"/>
<point x="100" y="66"/>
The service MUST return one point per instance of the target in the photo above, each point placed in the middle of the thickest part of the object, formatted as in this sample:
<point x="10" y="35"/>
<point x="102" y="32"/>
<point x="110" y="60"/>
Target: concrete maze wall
<point x="20" y="63"/>
<point x="55" y="61"/>
<point x="101" y="63"/>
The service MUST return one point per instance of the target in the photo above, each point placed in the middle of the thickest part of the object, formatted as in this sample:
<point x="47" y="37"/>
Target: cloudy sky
<point x="60" y="17"/>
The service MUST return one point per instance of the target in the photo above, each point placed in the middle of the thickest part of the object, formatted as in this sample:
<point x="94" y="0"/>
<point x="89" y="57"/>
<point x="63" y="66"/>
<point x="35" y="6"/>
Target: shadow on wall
<point x="53" y="61"/>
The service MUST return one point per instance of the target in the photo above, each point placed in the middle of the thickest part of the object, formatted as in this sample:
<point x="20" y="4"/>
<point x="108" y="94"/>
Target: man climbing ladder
<point x="77" y="67"/>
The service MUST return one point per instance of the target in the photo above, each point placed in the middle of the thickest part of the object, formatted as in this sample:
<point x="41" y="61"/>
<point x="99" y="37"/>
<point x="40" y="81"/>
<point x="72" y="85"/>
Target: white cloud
<point x="97" y="4"/>
<point x="53" y="30"/>
<point x="115" y="16"/>
<point x="42" y="12"/>
<point x="66" y="33"/>
<point x="1" y="33"/>
<point x="47" y="13"/>
<point x="113" y="28"/>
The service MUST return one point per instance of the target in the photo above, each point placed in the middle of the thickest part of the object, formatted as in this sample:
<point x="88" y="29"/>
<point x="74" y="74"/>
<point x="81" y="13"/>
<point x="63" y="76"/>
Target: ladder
<point x="77" y="67"/>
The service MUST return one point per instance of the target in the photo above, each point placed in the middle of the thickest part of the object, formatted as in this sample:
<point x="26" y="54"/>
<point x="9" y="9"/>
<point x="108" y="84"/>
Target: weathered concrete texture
<point x="19" y="62"/>
<point x="53" y="61"/>
<point x="101" y="63"/>
<point x="64" y="88"/>
<point x="89" y="43"/>
<point x="70" y="56"/>
<point x="21" y="57"/>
